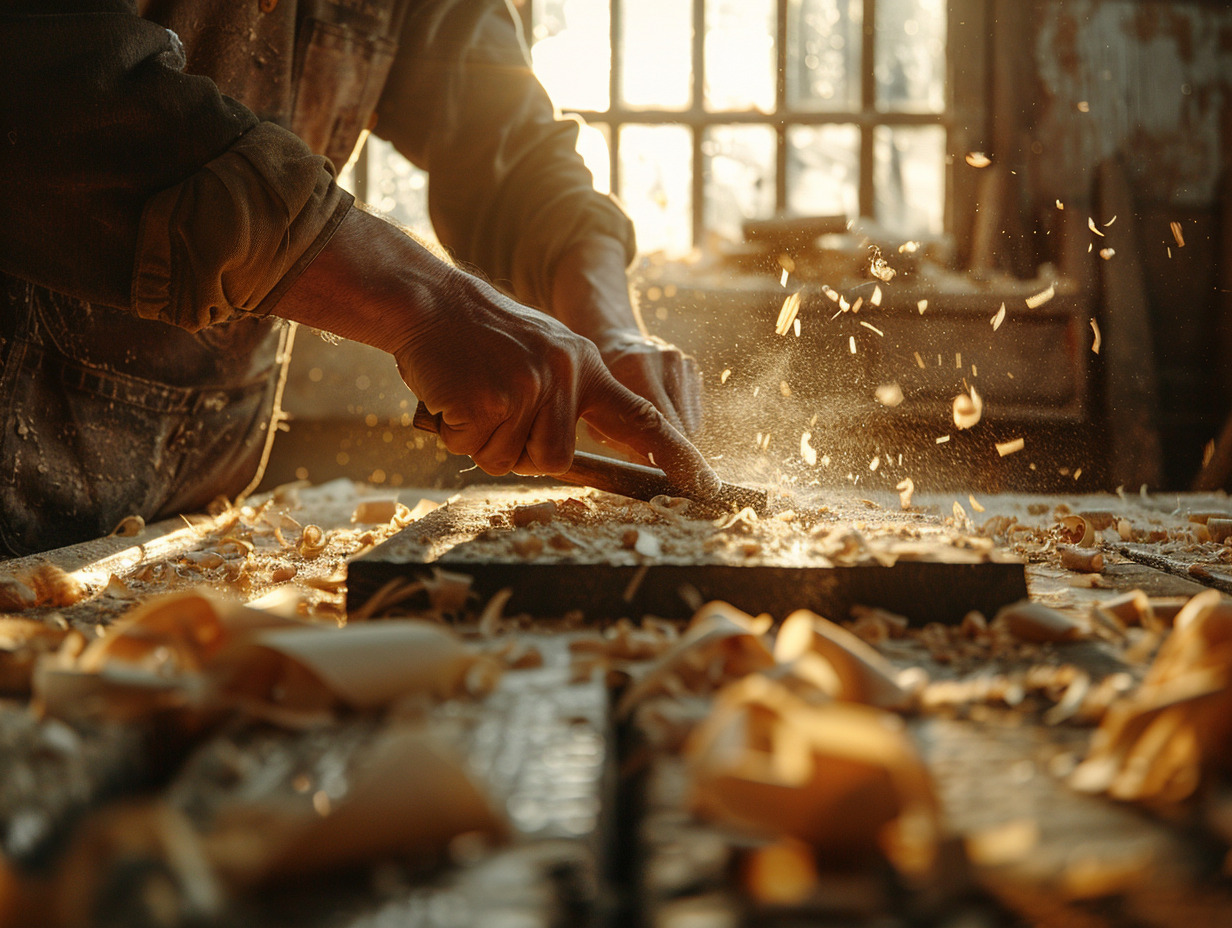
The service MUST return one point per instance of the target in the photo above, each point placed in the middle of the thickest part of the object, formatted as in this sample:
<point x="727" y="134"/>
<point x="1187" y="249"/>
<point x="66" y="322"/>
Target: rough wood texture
<point x="605" y="580"/>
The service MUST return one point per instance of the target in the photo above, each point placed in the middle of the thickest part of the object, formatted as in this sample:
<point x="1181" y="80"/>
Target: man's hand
<point x="510" y="382"/>
<point x="658" y="371"/>
<point x="590" y="294"/>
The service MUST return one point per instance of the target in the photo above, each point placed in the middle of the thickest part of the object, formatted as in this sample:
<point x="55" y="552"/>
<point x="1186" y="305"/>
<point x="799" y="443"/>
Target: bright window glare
<point x="656" y="184"/>
<point x="572" y="52"/>
<point x="657" y="38"/>
<point x="740" y="55"/>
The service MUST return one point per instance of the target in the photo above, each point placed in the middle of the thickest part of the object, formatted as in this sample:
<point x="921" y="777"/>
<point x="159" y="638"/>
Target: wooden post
<point x="1131" y="386"/>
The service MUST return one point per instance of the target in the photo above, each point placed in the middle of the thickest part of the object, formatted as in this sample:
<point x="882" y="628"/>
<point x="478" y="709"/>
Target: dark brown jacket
<point x="169" y="171"/>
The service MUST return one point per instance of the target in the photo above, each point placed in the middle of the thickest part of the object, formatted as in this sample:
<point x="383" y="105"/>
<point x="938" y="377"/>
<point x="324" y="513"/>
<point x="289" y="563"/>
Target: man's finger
<point x="504" y="448"/>
<point x="625" y="417"/>
<point x="549" y="445"/>
<point x="465" y="439"/>
<point x="646" y="375"/>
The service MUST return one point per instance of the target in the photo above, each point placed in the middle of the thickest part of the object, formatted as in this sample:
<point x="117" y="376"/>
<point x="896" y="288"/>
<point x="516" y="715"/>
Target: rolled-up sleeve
<point x="507" y="191"/>
<point x="133" y="184"/>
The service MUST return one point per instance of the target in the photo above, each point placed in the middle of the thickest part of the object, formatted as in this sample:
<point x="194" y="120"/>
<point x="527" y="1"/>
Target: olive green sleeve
<point x="232" y="237"/>
<point x="507" y="192"/>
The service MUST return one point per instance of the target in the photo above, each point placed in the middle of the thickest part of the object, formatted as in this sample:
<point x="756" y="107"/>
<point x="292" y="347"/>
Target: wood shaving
<point x="998" y="318"/>
<point x="905" y="487"/>
<point x="129" y="527"/>
<point x="968" y="409"/>
<point x="889" y="394"/>
<point x="1010" y="447"/>
<point x="311" y="542"/>
<point x="808" y="454"/>
<point x="787" y="315"/>
<point x="878" y="267"/>
<point x="1039" y="299"/>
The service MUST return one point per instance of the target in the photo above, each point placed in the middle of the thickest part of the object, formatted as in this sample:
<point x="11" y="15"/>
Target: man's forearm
<point x="373" y="284"/>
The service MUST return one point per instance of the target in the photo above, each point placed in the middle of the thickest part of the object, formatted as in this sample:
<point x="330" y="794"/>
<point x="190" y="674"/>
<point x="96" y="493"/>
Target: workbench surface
<point x="601" y="812"/>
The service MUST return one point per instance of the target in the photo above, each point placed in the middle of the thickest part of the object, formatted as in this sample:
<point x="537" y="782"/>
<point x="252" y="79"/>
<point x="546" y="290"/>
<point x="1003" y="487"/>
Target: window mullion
<point x="615" y="101"/>
<point x="698" y="131"/>
<point x="868" y="102"/>
<point x="780" y="106"/>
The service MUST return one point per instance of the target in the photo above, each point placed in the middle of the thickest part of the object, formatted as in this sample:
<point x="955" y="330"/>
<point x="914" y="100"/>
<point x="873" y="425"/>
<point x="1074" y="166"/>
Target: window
<point x="701" y="114"/>
<point x="704" y="113"/>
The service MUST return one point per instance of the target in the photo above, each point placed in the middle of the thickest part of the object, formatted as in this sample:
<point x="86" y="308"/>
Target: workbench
<point x="601" y="829"/>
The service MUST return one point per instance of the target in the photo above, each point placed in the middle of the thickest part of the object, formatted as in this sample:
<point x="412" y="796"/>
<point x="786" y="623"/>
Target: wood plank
<point x="606" y="581"/>
<point x="1205" y="574"/>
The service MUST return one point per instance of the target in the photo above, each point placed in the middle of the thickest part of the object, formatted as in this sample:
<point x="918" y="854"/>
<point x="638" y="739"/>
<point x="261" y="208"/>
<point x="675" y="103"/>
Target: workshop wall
<point x="1150" y="85"/>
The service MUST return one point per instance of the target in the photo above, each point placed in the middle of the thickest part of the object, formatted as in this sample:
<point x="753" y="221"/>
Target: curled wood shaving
<point x="311" y="542"/>
<point x="542" y="513"/>
<point x="1159" y="742"/>
<point x="129" y="527"/>
<point x="1035" y="622"/>
<point x="968" y="409"/>
<point x="860" y="673"/>
<point x="768" y="760"/>
<point x="491" y="619"/>
<point x="1083" y="560"/>
<point x="906" y="487"/>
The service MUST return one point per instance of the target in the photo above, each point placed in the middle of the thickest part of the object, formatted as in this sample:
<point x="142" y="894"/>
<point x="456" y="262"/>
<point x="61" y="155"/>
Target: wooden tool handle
<point x="588" y="470"/>
<point x="633" y="480"/>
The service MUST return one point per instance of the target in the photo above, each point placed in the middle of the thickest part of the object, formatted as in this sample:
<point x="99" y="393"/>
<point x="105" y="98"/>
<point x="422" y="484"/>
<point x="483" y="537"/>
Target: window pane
<point x="823" y="170"/>
<point x="739" y="177"/>
<point x="656" y="53"/>
<point x="910" y="68"/>
<point x="740" y="55"/>
<point x="909" y="176"/>
<point x="571" y="51"/>
<point x="823" y="54"/>
<point x="656" y="185"/>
